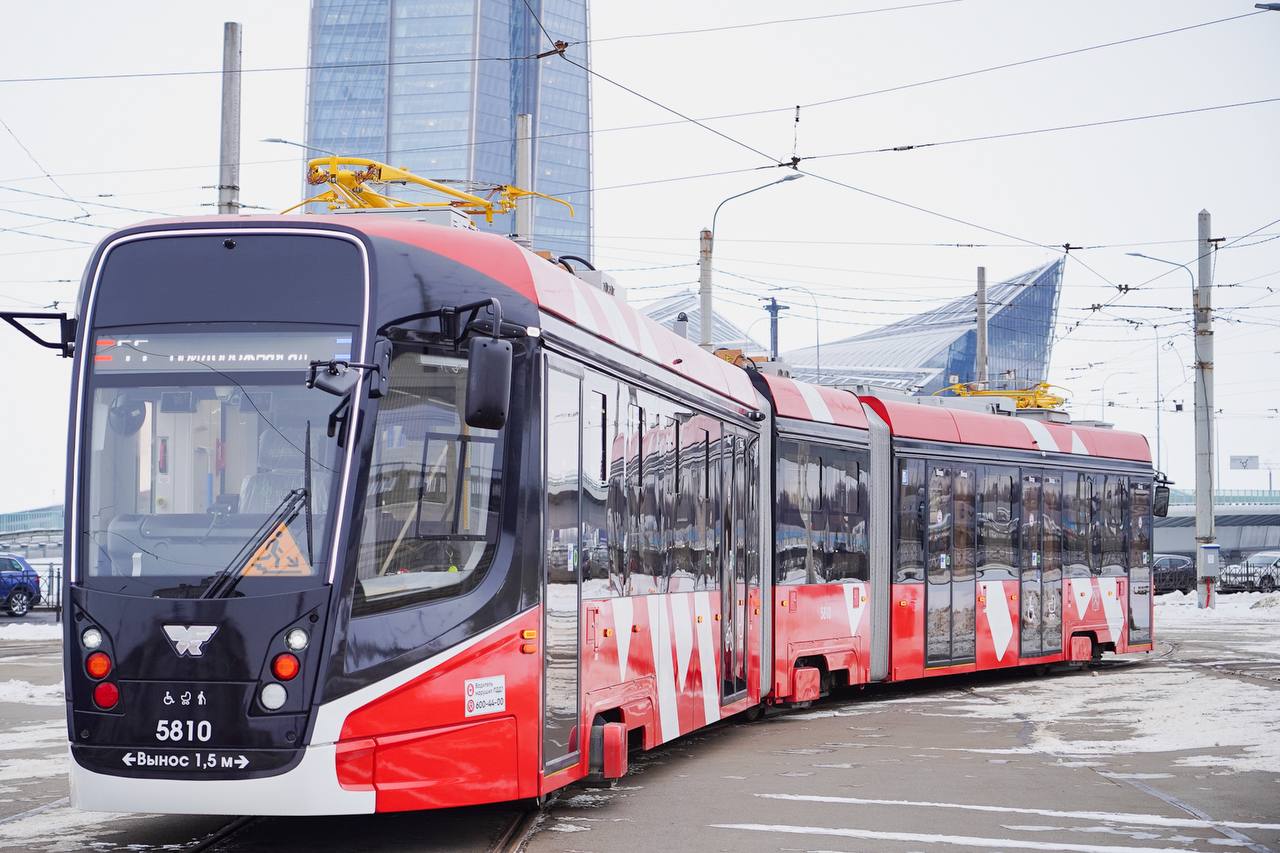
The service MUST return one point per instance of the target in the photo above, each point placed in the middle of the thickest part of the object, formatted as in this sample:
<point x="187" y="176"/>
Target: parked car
<point x="1260" y="572"/>
<point x="1174" y="572"/>
<point x="19" y="585"/>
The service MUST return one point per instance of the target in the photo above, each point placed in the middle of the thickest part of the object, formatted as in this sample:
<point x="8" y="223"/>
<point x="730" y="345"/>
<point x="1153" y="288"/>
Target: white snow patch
<point x="63" y="824"/>
<point x="16" y="690"/>
<point x="1149" y="709"/>
<point x="32" y="768"/>
<point x="30" y="631"/>
<point x="570" y="827"/>
<point x="34" y="736"/>
<point x="1139" y="776"/>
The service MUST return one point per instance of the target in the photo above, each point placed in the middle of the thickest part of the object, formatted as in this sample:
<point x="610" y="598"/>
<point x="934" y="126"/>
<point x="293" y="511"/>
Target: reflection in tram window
<point x="997" y="523"/>
<point x="430" y="514"/>
<point x="909" y="553"/>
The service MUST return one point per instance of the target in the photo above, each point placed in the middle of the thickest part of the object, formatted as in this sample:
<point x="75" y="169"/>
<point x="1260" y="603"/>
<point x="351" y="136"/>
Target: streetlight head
<point x="794" y="176"/>
<point x="275" y="139"/>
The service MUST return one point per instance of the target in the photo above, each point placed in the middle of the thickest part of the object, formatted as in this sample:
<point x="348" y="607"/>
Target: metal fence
<point x="50" y="586"/>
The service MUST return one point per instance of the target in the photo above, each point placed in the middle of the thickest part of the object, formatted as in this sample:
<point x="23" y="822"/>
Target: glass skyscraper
<point x="434" y="86"/>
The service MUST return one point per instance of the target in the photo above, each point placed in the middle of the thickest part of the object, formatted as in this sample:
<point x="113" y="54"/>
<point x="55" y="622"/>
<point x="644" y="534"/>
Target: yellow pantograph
<point x="347" y="181"/>
<point x="1038" y="396"/>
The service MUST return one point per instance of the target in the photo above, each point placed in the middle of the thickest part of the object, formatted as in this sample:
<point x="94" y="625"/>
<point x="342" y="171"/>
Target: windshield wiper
<point x="283" y="515"/>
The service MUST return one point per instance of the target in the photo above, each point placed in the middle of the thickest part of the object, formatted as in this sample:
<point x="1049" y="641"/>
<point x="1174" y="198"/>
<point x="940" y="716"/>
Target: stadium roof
<point x="922" y="353"/>
<point x="723" y="333"/>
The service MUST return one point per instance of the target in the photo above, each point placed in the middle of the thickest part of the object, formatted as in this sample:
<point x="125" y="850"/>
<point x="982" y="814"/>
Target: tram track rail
<point x="215" y="839"/>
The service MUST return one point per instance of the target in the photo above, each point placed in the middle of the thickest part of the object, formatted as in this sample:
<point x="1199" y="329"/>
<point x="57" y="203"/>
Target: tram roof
<point x="964" y="426"/>
<point x="550" y="288"/>
<point x="806" y="402"/>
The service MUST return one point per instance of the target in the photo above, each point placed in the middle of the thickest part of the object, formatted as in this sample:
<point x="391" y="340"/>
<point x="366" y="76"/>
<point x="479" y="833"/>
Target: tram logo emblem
<point x="190" y="639"/>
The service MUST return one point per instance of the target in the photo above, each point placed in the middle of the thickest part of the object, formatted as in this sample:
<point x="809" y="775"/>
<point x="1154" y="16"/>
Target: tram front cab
<point x="267" y="581"/>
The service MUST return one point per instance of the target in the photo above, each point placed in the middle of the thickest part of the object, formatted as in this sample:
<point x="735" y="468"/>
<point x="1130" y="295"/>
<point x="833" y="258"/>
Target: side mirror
<point x="488" y="383"/>
<point x="1160" y="501"/>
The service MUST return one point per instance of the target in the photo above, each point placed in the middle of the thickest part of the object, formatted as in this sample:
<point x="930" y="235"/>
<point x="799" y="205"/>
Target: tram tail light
<point x="285" y="666"/>
<point x="106" y="695"/>
<point x="529" y="634"/>
<point x="98" y="665"/>
<point x="529" y="648"/>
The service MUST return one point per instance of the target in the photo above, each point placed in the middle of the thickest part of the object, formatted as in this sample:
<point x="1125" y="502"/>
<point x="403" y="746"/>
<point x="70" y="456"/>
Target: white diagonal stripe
<point x="707" y="657"/>
<point x="818" y="408"/>
<point x="1040" y="434"/>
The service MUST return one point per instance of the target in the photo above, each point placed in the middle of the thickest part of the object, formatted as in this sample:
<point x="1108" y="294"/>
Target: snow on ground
<point x="30" y="631"/>
<point x="16" y="690"/>
<point x="1176" y="609"/>
<point x="1234" y="724"/>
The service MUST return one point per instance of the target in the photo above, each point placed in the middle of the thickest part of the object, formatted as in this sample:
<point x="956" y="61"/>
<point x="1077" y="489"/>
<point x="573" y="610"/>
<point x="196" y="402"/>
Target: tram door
<point x="1051" y="564"/>
<point x="561" y="726"/>
<point x="1032" y="530"/>
<point x="733" y="569"/>
<point x="951" y="620"/>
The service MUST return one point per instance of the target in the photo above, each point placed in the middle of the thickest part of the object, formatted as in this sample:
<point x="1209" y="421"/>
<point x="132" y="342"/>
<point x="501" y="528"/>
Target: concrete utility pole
<point x="524" y="178"/>
<point x="774" y="308"/>
<point x="980" y="351"/>
<point x="704" y="289"/>
<point x="229" y="162"/>
<point x="1202" y="305"/>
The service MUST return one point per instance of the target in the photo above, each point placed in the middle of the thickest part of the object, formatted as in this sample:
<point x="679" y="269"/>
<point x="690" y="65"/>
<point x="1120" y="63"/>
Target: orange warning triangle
<point x="278" y="556"/>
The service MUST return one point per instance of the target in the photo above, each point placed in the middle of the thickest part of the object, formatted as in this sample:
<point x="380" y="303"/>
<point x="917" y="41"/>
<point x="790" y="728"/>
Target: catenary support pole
<point x="774" y="308"/>
<point x="524" y="178"/>
<point x="229" y="160"/>
<point x="1207" y="557"/>
<point x="704" y="289"/>
<point x="980" y="351"/>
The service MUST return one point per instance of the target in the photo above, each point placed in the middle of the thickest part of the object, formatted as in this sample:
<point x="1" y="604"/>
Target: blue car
<point x="19" y="585"/>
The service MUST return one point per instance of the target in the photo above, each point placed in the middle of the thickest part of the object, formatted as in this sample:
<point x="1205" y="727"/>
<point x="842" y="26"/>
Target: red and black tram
<point x="372" y="515"/>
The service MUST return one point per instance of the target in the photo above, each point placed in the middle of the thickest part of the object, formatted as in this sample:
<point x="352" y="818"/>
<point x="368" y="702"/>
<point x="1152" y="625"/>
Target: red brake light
<point x="106" y="695"/>
<point x="98" y="665"/>
<point x="285" y="666"/>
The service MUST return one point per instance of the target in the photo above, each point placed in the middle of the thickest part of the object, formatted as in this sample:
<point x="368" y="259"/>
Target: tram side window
<point x="908" y="564"/>
<point x="1096" y="504"/>
<point x="1051" y="515"/>
<point x="596" y="432"/>
<point x="1140" y="524"/>
<point x="797" y="487"/>
<point x="846" y="524"/>
<point x="431" y="511"/>
<point x="997" y="522"/>
<point x="633" y="552"/>
<point x="1075" y="524"/>
<point x="1115" y="526"/>
<point x="619" y="511"/>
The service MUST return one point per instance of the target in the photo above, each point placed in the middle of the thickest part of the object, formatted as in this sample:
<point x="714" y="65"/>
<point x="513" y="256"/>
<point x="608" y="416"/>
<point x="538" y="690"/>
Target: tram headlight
<point x="91" y="638"/>
<point x="297" y="639"/>
<point x="273" y="696"/>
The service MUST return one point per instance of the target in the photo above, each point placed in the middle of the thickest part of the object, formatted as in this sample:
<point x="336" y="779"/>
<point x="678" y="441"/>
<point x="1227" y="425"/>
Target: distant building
<point x="429" y="85"/>
<point x="724" y="334"/>
<point x="929" y="351"/>
<point x="1245" y="522"/>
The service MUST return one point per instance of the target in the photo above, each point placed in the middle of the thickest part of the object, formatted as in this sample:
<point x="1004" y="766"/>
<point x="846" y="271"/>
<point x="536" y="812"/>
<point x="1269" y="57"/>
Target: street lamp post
<point x="704" y="262"/>
<point x="817" y="330"/>
<point x="1156" y="330"/>
<point x="1103" y="389"/>
<point x="278" y="141"/>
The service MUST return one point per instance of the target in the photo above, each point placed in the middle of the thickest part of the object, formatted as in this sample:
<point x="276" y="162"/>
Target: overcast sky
<point x="152" y="144"/>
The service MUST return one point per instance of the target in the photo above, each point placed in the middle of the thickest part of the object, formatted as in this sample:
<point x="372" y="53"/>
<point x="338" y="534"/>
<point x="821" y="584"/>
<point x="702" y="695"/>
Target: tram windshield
<point x="209" y="467"/>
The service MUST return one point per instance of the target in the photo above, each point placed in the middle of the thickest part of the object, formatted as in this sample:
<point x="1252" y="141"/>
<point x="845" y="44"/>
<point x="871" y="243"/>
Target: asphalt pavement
<point x="1175" y="751"/>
